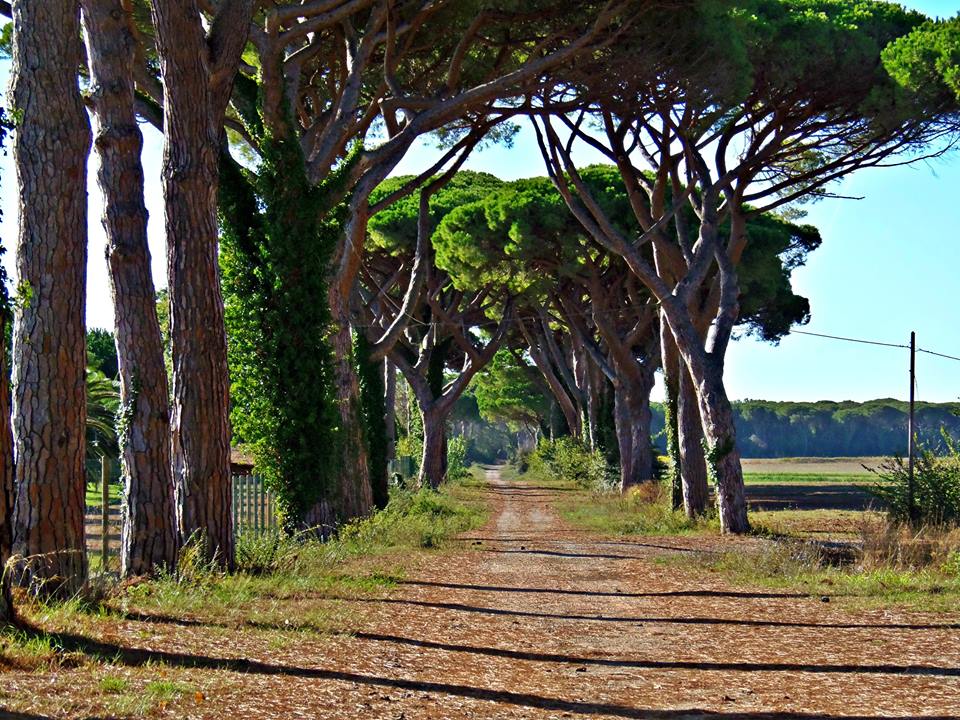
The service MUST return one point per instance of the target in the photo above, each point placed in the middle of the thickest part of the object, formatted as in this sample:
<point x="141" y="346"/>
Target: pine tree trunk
<point x="6" y="475"/>
<point x="149" y="537"/>
<point x="355" y="494"/>
<point x="670" y="362"/>
<point x="50" y="147"/>
<point x="633" y="432"/>
<point x="433" y="464"/>
<point x="199" y="422"/>
<point x="690" y="436"/>
<point x="622" y="421"/>
<point x="723" y="457"/>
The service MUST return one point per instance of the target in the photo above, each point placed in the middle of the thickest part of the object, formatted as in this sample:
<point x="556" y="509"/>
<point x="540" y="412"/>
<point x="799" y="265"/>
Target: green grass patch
<point x="631" y="514"/>
<point x="807" y="478"/>
<point x="166" y="690"/>
<point x="94" y="497"/>
<point x="113" y="685"/>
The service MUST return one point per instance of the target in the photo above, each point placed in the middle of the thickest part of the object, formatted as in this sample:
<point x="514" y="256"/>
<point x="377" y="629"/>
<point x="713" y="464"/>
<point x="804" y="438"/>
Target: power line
<point x="853" y="340"/>
<point x="873" y="342"/>
<point x="931" y="352"/>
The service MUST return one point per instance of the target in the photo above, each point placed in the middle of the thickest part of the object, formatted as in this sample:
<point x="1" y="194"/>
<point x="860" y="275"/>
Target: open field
<point x="811" y="467"/>
<point x="819" y="485"/>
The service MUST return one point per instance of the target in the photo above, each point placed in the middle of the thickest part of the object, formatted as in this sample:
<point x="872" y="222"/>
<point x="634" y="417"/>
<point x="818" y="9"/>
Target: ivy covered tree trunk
<point x="149" y="535"/>
<point x="671" y="409"/>
<point x="355" y="493"/>
<point x="433" y="462"/>
<point x="50" y="149"/>
<point x="690" y="440"/>
<point x="607" y="440"/>
<point x="373" y="397"/>
<point x="722" y="455"/>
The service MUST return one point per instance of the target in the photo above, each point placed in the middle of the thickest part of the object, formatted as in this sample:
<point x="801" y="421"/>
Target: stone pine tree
<point x="198" y="62"/>
<point x="747" y="112"/>
<point x="330" y="99"/>
<point x="50" y="147"/>
<point x="403" y="286"/>
<point x="523" y="235"/>
<point x="149" y="535"/>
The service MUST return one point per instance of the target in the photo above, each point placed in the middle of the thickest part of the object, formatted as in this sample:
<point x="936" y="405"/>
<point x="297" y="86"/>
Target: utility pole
<point x="910" y="442"/>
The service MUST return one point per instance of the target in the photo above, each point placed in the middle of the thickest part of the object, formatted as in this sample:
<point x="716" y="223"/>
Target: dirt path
<point x="534" y="620"/>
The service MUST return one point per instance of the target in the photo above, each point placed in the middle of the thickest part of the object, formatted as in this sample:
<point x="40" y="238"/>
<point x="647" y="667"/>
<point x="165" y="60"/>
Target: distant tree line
<point x="838" y="429"/>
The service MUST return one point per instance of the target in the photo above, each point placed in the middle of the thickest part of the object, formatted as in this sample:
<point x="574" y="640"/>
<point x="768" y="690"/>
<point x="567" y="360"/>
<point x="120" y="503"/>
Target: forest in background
<point x="772" y="429"/>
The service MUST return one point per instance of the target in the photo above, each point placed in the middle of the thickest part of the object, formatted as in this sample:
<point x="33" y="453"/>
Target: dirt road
<point x="535" y="620"/>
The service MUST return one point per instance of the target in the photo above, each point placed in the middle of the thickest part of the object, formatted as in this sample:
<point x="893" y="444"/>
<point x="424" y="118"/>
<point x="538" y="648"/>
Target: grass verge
<point x="800" y="567"/>
<point x="72" y="658"/>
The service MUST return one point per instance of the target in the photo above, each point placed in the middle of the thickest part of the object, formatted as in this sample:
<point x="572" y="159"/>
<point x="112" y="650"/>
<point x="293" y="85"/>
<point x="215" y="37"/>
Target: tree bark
<point x="722" y="456"/>
<point x="354" y="490"/>
<point x="197" y="74"/>
<point x="693" y="465"/>
<point x="50" y="148"/>
<point x="149" y="536"/>
<point x="433" y="463"/>
<point x="6" y="473"/>
<point x="633" y="417"/>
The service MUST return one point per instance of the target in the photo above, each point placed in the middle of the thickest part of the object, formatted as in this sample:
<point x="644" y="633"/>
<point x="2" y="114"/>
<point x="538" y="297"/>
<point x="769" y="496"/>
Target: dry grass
<point x="816" y="524"/>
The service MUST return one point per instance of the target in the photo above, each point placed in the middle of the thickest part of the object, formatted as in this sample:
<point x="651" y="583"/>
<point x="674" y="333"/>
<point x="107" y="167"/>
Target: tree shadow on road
<point x="611" y="593"/>
<point x="135" y="657"/>
<point x="462" y="607"/>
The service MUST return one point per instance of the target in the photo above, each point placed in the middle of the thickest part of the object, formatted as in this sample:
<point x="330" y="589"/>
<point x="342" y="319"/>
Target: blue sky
<point x="889" y="264"/>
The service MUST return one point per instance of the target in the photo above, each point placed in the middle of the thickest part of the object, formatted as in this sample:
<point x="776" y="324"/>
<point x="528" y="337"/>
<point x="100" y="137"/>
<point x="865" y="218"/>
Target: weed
<point x="165" y="690"/>
<point x="113" y="685"/>
<point x="928" y="496"/>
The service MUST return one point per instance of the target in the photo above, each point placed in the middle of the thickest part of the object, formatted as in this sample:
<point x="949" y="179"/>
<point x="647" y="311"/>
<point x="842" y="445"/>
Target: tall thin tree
<point x="49" y="353"/>
<point x="198" y="66"/>
<point x="6" y="436"/>
<point x="149" y="536"/>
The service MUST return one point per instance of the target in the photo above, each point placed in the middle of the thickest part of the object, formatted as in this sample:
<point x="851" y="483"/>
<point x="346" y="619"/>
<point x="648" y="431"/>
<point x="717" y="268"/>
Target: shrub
<point x="520" y="458"/>
<point x="457" y="458"/>
<point x="266" y="553"/>
<point x="569" y="459"/>
<point x="936" y="488"/>
<point x="423" y="518"/>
